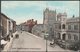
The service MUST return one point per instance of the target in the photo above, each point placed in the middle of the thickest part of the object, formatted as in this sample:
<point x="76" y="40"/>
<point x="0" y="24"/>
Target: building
<point x="23" y="26"/>
<point x="60" y="26"/>
<point x="73" y="30"/>
<point x="4" y="26"/>
<point x="27" y="26"/>
<point x="49" y="17"/>
<point x="8" y="26"/>
<point x="38" y="30"/>
<point x="67" y="29"/>
<point x="61" y="29"/>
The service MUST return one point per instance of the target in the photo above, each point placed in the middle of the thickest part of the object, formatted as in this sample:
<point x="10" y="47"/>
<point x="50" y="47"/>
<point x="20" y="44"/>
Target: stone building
<point x="73" y="30"/>
<point x="60" y="26"/>
<point x="49" y="17"/>
<point x="67" y="29"/>
<point x="38" y="30"/>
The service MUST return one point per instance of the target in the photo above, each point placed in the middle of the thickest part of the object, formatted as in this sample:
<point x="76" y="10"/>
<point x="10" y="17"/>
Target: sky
<point x="21" y="11"/>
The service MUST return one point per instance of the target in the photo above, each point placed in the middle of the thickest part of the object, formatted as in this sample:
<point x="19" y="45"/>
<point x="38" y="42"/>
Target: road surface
<point x="29" y="42"/>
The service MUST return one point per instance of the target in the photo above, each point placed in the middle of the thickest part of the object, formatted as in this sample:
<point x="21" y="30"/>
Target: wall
<point x="4" y="25"/>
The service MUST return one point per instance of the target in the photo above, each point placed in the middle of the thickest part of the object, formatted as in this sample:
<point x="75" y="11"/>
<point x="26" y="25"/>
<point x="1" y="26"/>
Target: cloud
<point x="14" y="4"/>
<point x="68" y="6"/>
<point x="39" y="4"/>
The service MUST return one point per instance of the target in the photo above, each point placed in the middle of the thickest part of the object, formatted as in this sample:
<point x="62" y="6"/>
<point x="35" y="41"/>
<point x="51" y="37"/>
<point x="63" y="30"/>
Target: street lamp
<point x="46" y="36"/>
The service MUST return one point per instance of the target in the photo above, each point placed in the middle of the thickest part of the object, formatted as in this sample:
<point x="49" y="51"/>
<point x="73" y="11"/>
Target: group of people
<point x="3" y="43"/>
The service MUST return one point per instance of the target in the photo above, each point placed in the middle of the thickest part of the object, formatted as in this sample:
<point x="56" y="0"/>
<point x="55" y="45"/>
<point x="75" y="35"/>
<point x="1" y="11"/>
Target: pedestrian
<point x="17" y="36"/>
<point x="52" y="42"/>
<point x="3" y="43"/>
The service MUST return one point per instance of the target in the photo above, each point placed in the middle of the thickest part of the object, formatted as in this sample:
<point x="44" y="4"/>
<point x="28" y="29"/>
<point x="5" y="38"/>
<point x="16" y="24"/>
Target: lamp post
<point x="46" y="36"/>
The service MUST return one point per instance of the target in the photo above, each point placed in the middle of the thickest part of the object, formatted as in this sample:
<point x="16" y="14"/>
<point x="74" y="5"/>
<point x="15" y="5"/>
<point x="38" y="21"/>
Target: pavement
<point x="8" y="45"/>
<point x="28" y="42"/>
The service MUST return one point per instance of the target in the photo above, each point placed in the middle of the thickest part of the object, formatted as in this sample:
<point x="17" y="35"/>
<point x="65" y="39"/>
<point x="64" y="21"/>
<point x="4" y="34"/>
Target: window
<point x="75" y="27"/>
<point x="64" y="36"/>
<point x="59" y="26"/>
<point x="63" y="26"/>
<point x="69" y="36"/>
<point x="75" y="37"/>
<point x="69" y="27"/>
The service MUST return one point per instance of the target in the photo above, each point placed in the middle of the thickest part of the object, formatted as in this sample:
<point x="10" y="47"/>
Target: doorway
<point x="64" y="36"/>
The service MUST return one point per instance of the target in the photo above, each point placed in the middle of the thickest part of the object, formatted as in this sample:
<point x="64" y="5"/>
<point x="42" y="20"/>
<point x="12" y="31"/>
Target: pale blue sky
<point x="21" y="11"/>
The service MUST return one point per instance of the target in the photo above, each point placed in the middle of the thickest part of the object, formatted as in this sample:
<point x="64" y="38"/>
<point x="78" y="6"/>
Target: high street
<point x="30" y="42"/>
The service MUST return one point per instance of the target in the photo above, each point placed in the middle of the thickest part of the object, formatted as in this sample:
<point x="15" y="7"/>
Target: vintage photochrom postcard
<point x="40" y="26"/>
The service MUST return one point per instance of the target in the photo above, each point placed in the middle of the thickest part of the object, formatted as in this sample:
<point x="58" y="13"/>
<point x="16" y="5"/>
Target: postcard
<point x="40" y="26"/>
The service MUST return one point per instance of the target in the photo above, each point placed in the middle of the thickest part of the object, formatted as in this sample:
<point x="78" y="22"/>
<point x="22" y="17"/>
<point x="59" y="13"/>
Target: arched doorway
<point x="64" y="36"/>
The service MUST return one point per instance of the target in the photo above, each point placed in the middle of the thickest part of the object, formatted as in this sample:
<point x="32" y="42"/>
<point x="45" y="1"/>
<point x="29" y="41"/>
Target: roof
<point x="6" y="17"/>
<point x="62" y="14"/>
<point x="73" y="19"/>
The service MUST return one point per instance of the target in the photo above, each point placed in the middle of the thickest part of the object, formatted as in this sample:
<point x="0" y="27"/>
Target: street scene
<point x="30" y="44"/>
<point x="40" y="26"/>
